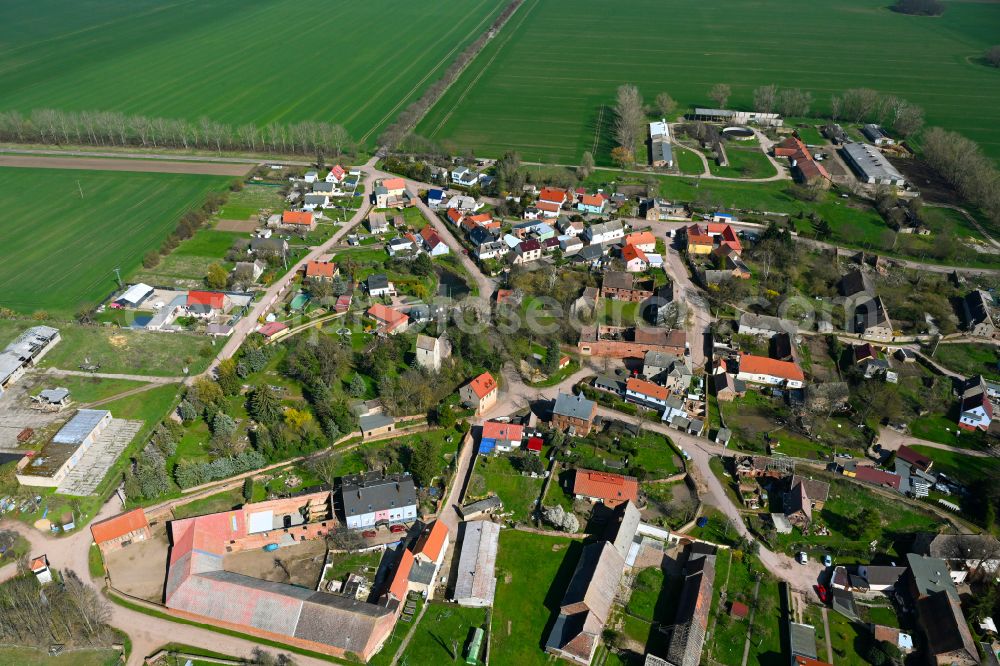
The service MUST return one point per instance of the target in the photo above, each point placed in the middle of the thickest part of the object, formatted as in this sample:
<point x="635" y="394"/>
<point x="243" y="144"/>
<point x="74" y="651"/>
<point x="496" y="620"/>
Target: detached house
<point x="977" y="316"/>
<point x="298" y="219"/>
<point x="527" y="251"/>
<point x="768" y="371"/>
<point x="378" y="285"/>
<point x="594" y="204"/>
<point x="464" y="176"/>
<point x="391" y="193"/>
<point x="389" y="321"/>
<point x="432" y="242"/>
<point x="608" y="489"/>
<point x="480" y="394"/>
<point x="635" y="259"/>
<point x="644" y="240"/>
<point x="574" y="413"/>
<point x="646" y="393"/>
<point x="321" y="270"/>
<point x="499" y="436"/>
<point x="605" y="232"/>
<point x="337" y="175"/>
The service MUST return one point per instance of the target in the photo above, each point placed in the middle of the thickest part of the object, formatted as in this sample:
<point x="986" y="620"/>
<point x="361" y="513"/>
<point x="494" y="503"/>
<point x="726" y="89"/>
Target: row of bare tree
<point x="66" y="611"/>
<point x="112" y="128"/>
<point x="961" y="162"/>
<point x="403" y="126"/>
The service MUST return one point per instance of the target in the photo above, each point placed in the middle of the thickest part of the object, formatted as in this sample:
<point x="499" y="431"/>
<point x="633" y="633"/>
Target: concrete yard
<point x="83" y="479"/>
<point x="303" y="562"/>
<point x="140" y="570"/>
<point x="15" y="416"/>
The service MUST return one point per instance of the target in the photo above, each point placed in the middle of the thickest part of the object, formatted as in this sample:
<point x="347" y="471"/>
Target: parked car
<point x="396" y="529"/>
<point x="821" y="593"/>
<point x="827" y="560"/>
<point x="802" y="558"/>
<point x="369" y="534"/>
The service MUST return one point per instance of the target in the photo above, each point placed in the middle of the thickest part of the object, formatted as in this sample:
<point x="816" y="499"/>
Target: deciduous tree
<point x="666" y="105"/>
<point x="720" y="94"/>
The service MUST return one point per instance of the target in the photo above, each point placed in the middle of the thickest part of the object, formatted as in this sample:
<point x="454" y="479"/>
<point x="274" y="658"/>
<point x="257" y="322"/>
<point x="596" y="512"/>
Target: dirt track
<point x="124" y="164"/>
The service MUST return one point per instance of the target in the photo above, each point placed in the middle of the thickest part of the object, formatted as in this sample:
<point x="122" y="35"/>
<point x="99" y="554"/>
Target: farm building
<point x="587" y="602"/>
<point x="476" y="581"/>
<point x="738" y="117"/>
<point x="48" y="467"/>
<point x="199" y="588"/>
<point x="24" y="352"/>
<point x="120" y="531"/>
<point x="871" y="166"/>
<point x="688" y="636"/>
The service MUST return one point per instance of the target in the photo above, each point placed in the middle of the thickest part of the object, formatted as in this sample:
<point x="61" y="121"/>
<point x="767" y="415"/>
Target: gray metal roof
<point x="662" y="151"/>
<point x="365" y="493"/>
<point x="573" y="406"/>
<point x="374" y="422"/>
<point x="802" y="640"/>
<point x="54" y="395"/>
<point x="870" y="162"/>
<point x="81" y="425"/>
<point x="476" y="581"/>
<point x="931" y="575"/>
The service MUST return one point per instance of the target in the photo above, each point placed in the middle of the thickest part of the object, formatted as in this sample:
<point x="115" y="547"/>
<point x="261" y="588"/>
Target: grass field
<point x="545" y="87"/>
<point x="61" y="252"/>
<point x="443" y="626"/>
<point x="532" y="574"/>
<point x="24" y="656"/>
<point x="120" y="351"/>
<point x="236" y="62"/>
<point x="970" y="359"/>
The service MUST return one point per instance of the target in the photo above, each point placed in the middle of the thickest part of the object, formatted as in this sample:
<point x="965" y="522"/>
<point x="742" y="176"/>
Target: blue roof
<point x="487" y="445"/>
<point x="729" y="215"/>
<point x="435" y="194"/>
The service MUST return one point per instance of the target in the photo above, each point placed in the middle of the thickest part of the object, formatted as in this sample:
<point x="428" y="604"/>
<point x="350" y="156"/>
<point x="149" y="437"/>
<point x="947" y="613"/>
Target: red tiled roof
<point x="877" y="477"/>
<point x="431" y="542"/>
<point x="630" y="252"/>
<point x="272" y="327"/>
<point x="505" y="431"/>
<point x="391" y="318"/>
<point x="535" y="444"/>
<point x="321" y="269"/>
<point x="38" y="563"/>
<point x="119" y="525"/>
<point x="394" y="184"/>
<point x="302" y="217"/>
<point x="605" y="486"/>
<point x="907" y="454"/>
<point x="761" y="365"/>
<point x="430" y="236"/>
<point x="529" y="245"/>
<point x="593" y="200"/>
<point x="548" y="206"/>
<point x="401" y="579"/>
<point x="214" y="299"/>
<point x="454" y="215"/>
<point x="646" y="388"/>
<point x="483" y="385"/>
<point x="552" y="194"/>
<point x="338" y="172"/>
<point x="481" y="218"/>
<point x="640" y="238"/>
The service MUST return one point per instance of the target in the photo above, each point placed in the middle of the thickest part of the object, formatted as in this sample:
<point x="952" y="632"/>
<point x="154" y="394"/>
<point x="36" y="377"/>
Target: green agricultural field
<point x="970" y="359"/>
<point x="235" y="62"/>
<point x="60" y="249"/>
<point x="546" y="86"/>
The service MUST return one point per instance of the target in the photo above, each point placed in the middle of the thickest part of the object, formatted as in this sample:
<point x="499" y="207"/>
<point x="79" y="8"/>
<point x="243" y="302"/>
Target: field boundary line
<point x="597" y="129"/>
<point x="472" y="83"/>
<point x="419" y="83"/>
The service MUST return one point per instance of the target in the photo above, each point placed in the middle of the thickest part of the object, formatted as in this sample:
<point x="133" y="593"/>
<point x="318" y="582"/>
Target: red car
<point x="369" y="534"/>
<point x="396" y="529"/>
<point x="821" y="593"/>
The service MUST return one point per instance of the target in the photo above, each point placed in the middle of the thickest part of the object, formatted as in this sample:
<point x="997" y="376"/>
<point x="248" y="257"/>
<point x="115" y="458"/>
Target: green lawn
<point x="964" y="469"/>
<point x="442" y="627"/>
<point x="743" y="163"/>
<point x="519" y="493"/>
<point x="87" y="389"/>
<point x="120" y="350"/>
<point x="687" y="162"/>
<point x="24" y="656"/>
<point x="545" y="87"/>
<point x="850" y="640"/>
<point x="970" y="359"/>
<point x="532" y="574"/>
<point x="64" y="258"/>
<point x="337" y="63"/>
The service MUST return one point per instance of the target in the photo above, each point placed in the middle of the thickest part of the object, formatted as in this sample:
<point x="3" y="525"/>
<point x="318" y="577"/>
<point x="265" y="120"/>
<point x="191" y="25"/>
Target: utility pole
<point x="118" y="277"/>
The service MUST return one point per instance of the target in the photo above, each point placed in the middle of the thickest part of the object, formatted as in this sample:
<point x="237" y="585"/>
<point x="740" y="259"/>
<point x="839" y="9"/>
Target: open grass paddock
<point x="252" y="61"/>
<point x="546" y="85"/>
<point x="60" y="249"/>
